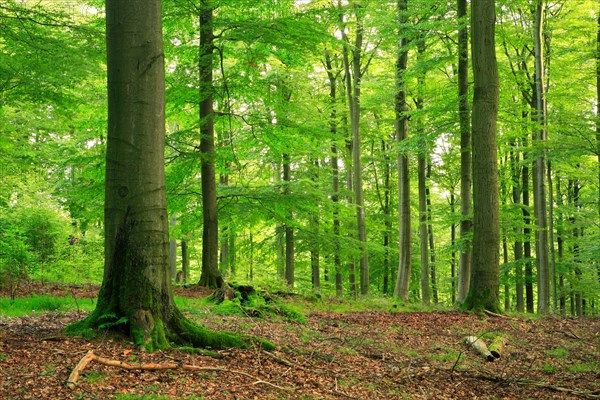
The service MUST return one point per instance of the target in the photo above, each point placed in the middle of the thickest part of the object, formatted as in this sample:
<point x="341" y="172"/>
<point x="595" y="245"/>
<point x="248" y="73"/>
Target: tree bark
<point x="423" y="237"/>
<point x="354" y="74"/>
<point x="172" y="252"/>
<point x="401" y="126"/>
<point x="211" y="275"/>
<point x="539" y="167"/>
<point x="185" y="262"/>
<point x="485" y="275"/>
<point x="289" y="230"/>
<point x="518" y="244"/>
<point x="464" y="274"/>
<point x="335" y="171"/>
<point x="136" y="294"/>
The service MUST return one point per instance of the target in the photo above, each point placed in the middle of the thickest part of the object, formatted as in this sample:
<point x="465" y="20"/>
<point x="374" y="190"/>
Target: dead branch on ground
<point x="90" y="356"/>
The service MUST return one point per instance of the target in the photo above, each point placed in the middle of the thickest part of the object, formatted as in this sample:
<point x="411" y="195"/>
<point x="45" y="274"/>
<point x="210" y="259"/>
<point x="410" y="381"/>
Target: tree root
<point x="90" y="356"/>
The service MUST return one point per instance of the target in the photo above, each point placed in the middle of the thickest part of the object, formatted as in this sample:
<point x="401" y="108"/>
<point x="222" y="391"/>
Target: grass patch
<point x="94" y="377"/>
<point x="585" y="367"/>
<point x="559" y="352"/>
<point x="39" y="304"/>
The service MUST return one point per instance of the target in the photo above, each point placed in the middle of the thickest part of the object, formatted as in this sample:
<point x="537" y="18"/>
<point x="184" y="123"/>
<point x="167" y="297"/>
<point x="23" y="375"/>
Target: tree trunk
<point x="539" y="168"/>
<point x="172" y="252"/>
<point x="423" y="242"/>
<point x="464" y="274"/>
<point x="315" y="251"/>
<point x="335" y="171"/>
<point x="388" y="218"/>
<point x="401" y="126"/>
<point x="453" y="246"/>
<point x="485" y="278"/>
<point x="185" y="262"/>
<point x="518" y="244"/>
<point x="289" y="230"/>
<point x="432" y="266"/>
<point x="353" y="87"/>
<point x="136" y="293"/>
<point x="211" y="275"/>
<point x="527" y="242"/>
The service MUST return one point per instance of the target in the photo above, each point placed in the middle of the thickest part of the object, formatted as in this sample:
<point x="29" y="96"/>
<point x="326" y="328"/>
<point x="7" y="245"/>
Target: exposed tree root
<point x="90" y="356"/>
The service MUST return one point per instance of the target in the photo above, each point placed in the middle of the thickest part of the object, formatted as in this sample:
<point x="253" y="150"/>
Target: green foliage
<point x="112" y="320"/>
<point x="272" y="96"/>
<point x="21" y="306"/>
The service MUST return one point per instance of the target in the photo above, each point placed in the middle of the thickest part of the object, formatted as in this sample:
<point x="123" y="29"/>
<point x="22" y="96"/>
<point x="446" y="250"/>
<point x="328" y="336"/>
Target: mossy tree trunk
<point x="136" y="295"/>
<point x="485" y="270"/>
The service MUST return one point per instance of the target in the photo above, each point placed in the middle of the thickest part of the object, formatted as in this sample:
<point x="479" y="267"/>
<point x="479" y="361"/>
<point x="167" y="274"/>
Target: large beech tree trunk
<point x="136" y="293"/>
<point x="485" y="274"/>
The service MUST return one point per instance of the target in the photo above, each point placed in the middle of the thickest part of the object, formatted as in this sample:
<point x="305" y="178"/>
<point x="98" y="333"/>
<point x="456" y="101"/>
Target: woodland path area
<point x="350" y="355"/>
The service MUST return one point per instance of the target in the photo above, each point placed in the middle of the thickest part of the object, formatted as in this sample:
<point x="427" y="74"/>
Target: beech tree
<point x="136" y="294"/>
<point x="485" y="271"/>
<point x="211" y="275"/>
<point x="401" y="128"/>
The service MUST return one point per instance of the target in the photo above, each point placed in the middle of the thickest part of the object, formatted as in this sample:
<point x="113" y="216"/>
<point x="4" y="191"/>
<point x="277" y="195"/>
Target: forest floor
<point x="334" y="355"/>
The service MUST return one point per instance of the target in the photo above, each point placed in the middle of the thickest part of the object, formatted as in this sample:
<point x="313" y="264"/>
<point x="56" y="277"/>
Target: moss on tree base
<point x="153" y="333"/>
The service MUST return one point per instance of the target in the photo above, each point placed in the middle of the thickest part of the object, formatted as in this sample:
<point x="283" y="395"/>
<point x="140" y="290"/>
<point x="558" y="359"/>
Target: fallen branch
<point x="90" y="356"/>
<point x="493" y="314"/>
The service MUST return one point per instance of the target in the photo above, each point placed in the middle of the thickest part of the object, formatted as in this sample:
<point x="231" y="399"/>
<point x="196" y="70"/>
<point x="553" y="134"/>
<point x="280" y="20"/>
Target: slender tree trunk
<point x="388" y="218"/>
<point x="354" y="93"/>
<point x="172" y="252"/>
<point x="464" y="274"/>
<point x="432" y="265"/>
<point x="539" y="168"/>
<point x="598" y="124"/>
<point x="423" y="242"/>
<point x="335" y="171"/>
<point x="518" y="244"/>
<point x="453" y="246"/>
<point x="401" y="124"/>
<point x="211" y="275"/>
<point x="185" y="262"/>
<point x="289" y="230"/>
<point x="553" y="278"/>
<point x="506" y="275"/>
<point x="315" y="251"/>
<point x="527" y="242"/>
<point x="560" y="247"/>
<point x="485" y="275"/>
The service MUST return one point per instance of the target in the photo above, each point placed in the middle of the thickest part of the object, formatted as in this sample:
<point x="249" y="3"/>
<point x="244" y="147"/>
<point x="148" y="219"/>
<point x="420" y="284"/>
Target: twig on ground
<point x="493" y="314"/>
<point x="90" y="356"/>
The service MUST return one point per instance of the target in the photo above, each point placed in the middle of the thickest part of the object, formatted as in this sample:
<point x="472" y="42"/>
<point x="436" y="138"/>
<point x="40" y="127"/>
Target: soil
<point x="351" y="355"/>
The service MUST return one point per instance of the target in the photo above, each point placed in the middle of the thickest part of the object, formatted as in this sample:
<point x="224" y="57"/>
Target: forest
<point x="392" y="155"/>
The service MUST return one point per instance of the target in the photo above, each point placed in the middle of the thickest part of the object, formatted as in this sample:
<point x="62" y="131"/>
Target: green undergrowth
<point x="34" y="304"/>
<point x="317" y="303"/>
<point x="256" y="306"/>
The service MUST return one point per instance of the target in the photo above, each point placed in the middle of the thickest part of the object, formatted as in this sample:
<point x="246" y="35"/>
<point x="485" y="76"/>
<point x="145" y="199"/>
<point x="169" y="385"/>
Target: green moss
<point x="189" y="333"/>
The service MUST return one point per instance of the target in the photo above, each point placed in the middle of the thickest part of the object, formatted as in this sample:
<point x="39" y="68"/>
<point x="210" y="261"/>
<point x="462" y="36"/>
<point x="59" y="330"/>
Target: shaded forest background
<point x="283" y="118"/>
